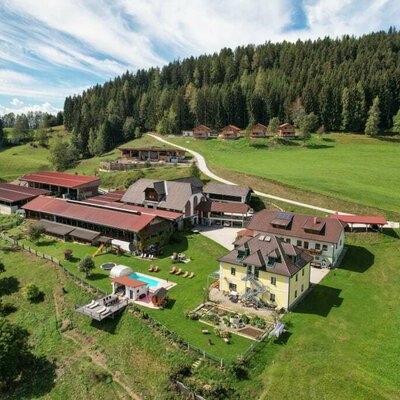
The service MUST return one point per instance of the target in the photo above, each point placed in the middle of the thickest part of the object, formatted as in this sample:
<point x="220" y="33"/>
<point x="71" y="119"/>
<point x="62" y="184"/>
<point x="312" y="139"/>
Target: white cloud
<point x="45" y="107"/>
<point x="16" y="102"/>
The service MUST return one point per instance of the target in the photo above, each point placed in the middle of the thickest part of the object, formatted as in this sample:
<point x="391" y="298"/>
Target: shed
<point x="159" y="296"/>
<point x="120" y="270"/>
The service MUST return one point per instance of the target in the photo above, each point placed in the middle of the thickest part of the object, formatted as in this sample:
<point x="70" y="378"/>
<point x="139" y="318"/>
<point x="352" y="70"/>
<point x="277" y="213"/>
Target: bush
<point x="194" y="316"/>
<point x="67" y="254"/>
<point x="36" y="232"/>
<point x="2" y="267"/>
<point x="245" y="319"/>
<point x="86" y="265"/>
<point x="32" y="293"/>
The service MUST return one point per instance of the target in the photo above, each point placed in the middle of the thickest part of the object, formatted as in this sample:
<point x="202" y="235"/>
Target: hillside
<point x="336" y="79"/>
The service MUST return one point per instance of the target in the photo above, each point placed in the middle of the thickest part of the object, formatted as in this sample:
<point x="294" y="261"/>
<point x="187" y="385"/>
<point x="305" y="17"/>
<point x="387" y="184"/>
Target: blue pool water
<point x="150" y="281"/>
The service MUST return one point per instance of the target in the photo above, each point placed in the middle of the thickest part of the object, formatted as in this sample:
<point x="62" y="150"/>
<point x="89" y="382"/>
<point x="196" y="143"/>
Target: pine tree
<point x="372" y="125"/>
<point x="396" y="122"/>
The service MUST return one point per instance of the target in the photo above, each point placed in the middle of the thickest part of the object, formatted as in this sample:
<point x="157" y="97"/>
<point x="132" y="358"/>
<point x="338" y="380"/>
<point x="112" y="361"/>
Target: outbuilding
<point x="133" y="289"/>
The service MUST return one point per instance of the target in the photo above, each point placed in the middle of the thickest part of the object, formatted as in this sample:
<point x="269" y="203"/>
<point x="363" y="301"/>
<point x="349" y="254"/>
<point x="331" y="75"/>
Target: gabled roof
<point x="259" y="127"/>
<point x="176" y="194"/>
<point x="265" y="221"/>
<point x="13" y="193"/>
<point x="201" y="128"/>
<point x="230" y="127"/>
<point x="61" y="179"/>
<point x="81" y="212"/>
<point x="152" y="148"/>
<point x="286" y="124"/>
<point x="227" y="190"/>
<point x="195" y="182"/>
<point x="269" y="253"/>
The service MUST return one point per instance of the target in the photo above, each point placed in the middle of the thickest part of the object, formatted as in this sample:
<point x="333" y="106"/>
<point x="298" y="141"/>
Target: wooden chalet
<point x="152" y="154"/>
<point x="230" y="132"/>
<point x="259" y="131"/>
<point x="201" y="132"/>
<point x="287" y="131"/>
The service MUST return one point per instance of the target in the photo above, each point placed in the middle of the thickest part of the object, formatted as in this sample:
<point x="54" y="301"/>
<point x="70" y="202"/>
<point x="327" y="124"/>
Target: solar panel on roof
<point x="283" y="215"/>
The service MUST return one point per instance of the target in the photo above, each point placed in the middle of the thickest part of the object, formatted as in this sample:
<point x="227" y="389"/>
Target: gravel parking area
<point x="224" y="236"/>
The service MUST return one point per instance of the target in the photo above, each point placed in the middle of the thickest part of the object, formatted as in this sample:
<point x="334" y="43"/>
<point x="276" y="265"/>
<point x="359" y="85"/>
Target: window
<point x="232" y="286"/>
<point x="273" y="280"/>
<point x="302" y="272"/>
<point x="287" y="240"/>
<point x="295" y="294"/>
<point x="271" y="297"/>
<point x="317" y="246"/>
<point x="305" y="245"/>
<point x="324" y="247"/>
<point x="340" y="243"/>
<point x="302" y="288"/>
<point x="297" y="277"/>
<point x="256" y="273"/>
<point x="233" y="271"/>
<point x="299" y="243"/>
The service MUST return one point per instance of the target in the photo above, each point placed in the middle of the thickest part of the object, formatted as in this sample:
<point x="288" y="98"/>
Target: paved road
<point x="201" y="162"/>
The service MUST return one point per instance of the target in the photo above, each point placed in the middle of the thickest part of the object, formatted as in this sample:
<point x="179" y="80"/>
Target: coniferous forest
<point x="336" y="79"/>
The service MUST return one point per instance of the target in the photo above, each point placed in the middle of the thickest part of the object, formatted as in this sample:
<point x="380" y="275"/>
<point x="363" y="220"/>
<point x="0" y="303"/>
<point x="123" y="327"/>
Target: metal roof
<point x="81" y="212"/>
<point x="227" y="190"/>
<point x="360" y="219"/>
<point x="13" y="193"/>
<point x="219" y="206"/>
<point x="61" y="179"/>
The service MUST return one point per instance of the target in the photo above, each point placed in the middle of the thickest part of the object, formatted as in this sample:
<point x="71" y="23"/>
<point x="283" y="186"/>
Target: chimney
<point x="166" y="188"/>
<point x="315" y="220"/>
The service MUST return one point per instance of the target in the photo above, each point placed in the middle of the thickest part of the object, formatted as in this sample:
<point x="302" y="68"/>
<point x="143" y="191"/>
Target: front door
<point x="131" y="294"/>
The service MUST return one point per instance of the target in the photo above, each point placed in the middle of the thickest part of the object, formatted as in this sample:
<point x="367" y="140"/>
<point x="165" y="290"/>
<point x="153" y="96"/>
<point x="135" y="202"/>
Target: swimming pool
<point x="144" y="278"/>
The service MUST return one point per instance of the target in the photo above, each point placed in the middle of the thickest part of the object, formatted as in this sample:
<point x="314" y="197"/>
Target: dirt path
<point x="201" y="162"/>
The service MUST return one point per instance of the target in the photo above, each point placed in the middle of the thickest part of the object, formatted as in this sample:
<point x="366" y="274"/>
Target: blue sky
<point x="50" y="49"/>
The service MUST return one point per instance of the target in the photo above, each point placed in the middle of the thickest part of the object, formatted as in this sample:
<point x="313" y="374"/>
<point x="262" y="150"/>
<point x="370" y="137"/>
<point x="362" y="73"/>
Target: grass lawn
<point x="352" y="168"/>
<point x="187" y="294"/>
<point x="125" y="344"/>
<point x="343" y="340"/>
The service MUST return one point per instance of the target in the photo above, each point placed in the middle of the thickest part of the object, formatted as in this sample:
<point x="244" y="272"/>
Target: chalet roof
<point x="175" y="194"/>
<point x="286" y="124"/>
<point x="296" y="225"/>
<point x="61" y="179"/>
<point x="230" y="127"/>
<point x="201" y="128"/>
<point x="227" y="190"/>
<point x="259" y="128"/>
<point x="269" y="253"/>
<point x="12" y="193"/>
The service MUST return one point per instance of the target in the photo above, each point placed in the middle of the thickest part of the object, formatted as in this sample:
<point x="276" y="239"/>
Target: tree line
<point x="335" y="80"/>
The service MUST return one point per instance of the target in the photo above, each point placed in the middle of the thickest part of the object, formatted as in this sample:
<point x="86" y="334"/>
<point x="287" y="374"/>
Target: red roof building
<point x="360" y="221"/>
<point x="12" y="197"/>
<point x="135" y="228"/>
<point x="63" y="184"/>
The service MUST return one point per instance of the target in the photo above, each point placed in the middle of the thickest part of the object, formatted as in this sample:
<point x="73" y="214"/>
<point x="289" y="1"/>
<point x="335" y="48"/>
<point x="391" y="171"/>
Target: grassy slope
<point x="185" y="296"/>
<point x="119" y="341"/>
<point x="353" y="168"/>
<point x="343" y="338"/>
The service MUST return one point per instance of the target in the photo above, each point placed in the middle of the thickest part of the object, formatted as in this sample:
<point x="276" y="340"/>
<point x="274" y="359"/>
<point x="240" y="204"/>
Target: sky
<point x="54" y="48"/>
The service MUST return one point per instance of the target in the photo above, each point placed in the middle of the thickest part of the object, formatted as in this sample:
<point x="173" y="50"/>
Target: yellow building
<point x="266" y="268"/>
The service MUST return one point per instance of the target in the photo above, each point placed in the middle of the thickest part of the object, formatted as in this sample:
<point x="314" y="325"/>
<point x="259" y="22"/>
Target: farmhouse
<point x="62" y="184"/>
<point x="258" y="131"/>
<point x="140" y="230"/>
<point x="230" y="132"/>
<point x="201" y="132"/>
<point x="323" y="238"/>
<point x="287" y="131"/>
<point x="152" y="154"/>
<point x="228" y="193"/>
<point x="266" y="268"/>
<point x="177" y="196"/>
<point x="12" y="197"/>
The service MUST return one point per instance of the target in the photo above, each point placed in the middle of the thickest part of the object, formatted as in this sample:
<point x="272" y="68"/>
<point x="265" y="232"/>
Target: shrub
<point x="245" y="319"/>
<point x="32" y="293"/>
<point x="2" y="267"/>
<point x="194" y="316"/>
<point x="67" y="254"/>
<point x="36" y="232"/>
<point x="86" y="265"/>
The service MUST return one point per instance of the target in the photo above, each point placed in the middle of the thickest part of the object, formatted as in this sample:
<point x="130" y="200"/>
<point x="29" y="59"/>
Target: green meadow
<point x="351" y="168"/>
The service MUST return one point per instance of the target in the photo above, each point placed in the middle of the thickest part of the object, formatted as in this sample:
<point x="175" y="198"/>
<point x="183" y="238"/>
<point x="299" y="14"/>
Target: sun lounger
<point x="191" y="275"/>
<point x="185" y="275"/>
<point x="173" y="270"/>
<point x="179" y="271"/>
<point x="151" y="256"/>
<point x="106" y="311"/>
<point x="92" y="304"/>
<point x="156" y="268"/>
<point x="102" y="309"/>
<point x="151" y="268"/>
<point x="205" y="331"/>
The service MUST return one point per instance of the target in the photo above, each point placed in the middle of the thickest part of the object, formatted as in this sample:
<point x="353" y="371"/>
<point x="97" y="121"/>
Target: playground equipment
<point x="98" y="250"/>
